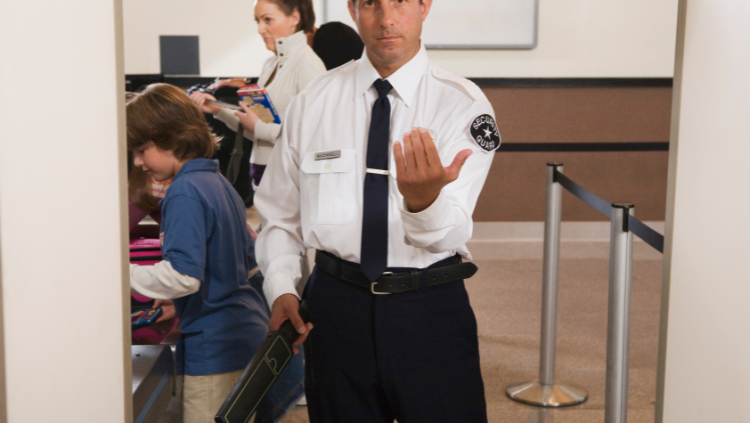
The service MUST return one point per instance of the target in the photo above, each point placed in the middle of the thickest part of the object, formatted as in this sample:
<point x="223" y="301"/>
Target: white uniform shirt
<point x="296" y="64"/>
<point x="308" y="203"/>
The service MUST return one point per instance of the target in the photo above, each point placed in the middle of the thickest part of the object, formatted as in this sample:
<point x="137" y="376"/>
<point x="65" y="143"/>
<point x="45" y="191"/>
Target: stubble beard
<point x="395" y="55"/>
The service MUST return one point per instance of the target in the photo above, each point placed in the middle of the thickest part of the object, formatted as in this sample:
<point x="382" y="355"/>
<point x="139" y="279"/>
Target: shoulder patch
<point x="467" y="86"/>
<point x="484" y="132"/>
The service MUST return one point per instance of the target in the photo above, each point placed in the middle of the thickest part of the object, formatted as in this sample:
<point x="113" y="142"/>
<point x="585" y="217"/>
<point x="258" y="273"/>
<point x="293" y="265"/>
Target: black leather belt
<point x="444" y="271"/>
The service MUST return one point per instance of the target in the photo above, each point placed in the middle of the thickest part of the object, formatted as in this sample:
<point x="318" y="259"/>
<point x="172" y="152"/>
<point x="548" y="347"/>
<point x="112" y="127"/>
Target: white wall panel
<point x="62" y="226"/>
<point x="704" y="369"/>
<point x="576" y="38"/>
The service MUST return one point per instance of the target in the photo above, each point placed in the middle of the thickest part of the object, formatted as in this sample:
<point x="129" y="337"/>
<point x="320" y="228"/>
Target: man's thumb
<point x="458" y="162"/>
<point x="298" y="323"/>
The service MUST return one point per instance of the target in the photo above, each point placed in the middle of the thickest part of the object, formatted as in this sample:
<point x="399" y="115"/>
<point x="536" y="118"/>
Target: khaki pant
<point x="203" y="395"/>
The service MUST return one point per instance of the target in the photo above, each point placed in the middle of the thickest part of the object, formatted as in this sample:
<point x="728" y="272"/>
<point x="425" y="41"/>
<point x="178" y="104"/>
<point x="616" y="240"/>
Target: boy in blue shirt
<point x="208" y="254"/>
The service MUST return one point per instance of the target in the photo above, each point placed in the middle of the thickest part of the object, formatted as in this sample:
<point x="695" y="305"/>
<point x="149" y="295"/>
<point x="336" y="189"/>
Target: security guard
<point x="378" y="166"/>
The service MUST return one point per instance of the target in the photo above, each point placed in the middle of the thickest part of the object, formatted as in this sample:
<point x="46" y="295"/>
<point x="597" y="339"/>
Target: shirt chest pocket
<point x="330" y="185"/>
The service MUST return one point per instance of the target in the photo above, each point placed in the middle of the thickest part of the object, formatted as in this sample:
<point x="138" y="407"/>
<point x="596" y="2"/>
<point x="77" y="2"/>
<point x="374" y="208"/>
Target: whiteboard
<point x="467" y="24"/>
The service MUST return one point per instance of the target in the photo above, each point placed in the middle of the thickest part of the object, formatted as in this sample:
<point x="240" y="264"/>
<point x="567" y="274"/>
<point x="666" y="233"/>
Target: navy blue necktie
<point x="374" y="252"/>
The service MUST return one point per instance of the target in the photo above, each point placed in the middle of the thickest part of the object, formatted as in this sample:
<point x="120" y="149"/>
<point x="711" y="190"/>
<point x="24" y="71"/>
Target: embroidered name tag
<point x="326" y="155"/>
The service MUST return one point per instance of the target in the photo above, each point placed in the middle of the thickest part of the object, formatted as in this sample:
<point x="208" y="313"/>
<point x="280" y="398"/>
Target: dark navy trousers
<point x="412" y="357"/>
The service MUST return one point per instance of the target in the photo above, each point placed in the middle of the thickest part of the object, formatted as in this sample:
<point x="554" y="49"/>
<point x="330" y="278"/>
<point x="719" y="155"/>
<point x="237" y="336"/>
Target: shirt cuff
<point x="266" y="131"/>
<point x="429" y="219"/>
<point x="282" y="276"/>
<point x="278" y="285"/>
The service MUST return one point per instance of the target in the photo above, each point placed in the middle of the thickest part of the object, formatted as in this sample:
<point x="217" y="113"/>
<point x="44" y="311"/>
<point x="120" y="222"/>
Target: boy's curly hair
<point x="165" y="115"/>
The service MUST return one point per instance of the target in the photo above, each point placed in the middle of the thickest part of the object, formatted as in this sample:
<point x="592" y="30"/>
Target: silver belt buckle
<point x="372" y="285"/>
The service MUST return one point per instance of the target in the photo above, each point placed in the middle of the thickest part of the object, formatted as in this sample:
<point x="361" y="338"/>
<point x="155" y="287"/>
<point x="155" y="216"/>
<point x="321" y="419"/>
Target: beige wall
<point x="583" y="38"/>
<point x="705" y="368"/>
<point x="515" y="191"/>
<point x="229" y="41"/>
<point x="62" y="232"/>
<point x="3" y="396"/>
<point x="577" y="38"/>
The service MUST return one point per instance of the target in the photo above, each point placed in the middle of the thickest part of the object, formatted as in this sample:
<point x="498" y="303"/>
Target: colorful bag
<point x="145" y="252"/>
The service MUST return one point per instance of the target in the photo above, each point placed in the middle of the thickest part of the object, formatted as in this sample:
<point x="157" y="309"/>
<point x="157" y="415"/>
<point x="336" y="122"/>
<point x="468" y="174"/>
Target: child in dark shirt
<point x="208" y="254"/>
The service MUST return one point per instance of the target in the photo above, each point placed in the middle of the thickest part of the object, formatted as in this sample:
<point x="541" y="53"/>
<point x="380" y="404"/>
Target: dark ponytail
<point x="305" y="9"/>
<point x="307" y="15"/>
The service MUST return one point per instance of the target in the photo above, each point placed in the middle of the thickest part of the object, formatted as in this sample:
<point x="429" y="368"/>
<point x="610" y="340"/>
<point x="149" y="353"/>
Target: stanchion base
<point x="557" y="395"/>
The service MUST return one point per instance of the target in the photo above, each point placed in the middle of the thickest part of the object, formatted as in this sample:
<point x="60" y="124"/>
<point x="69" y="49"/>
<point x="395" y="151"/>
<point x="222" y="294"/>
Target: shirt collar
<point x="289" y="46"/>
<point x="198" y="165"/>
<point x="404" y="81"/>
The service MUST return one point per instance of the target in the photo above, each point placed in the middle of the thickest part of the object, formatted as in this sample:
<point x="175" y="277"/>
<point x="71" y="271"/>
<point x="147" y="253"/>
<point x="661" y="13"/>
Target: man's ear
<point x="352" y="11"/>
<point x="426" y="6"/>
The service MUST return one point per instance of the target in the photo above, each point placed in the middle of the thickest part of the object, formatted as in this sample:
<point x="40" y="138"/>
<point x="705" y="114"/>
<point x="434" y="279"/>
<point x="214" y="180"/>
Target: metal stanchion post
<point x="618" y="327"/>
<point x="545" y="392"/>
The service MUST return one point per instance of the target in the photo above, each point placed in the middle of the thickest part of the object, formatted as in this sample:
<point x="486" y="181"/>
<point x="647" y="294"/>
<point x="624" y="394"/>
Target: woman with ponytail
<point x="282" y="24"/>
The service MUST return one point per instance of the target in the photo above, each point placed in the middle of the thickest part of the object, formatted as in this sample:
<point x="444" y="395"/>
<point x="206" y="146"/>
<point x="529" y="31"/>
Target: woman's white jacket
<point x="296" y="65"/>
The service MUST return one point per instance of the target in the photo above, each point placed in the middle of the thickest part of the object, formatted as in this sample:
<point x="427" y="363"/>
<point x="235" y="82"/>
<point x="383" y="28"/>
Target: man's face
<point x="390" y="29"/>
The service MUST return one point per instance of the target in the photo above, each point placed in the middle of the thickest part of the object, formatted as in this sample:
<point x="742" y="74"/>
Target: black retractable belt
<point x="448" y="270"/>
<point x="267" y="364"/>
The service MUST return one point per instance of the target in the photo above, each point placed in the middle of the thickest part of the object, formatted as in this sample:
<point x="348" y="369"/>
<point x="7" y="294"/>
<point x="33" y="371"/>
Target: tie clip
<point x="378" y="171"/>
